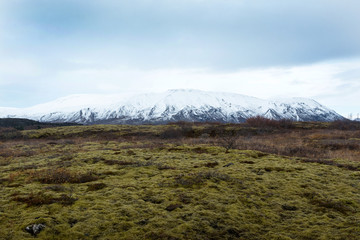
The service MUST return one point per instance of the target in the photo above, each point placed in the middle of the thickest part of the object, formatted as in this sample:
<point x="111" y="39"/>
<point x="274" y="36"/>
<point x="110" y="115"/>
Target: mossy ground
<point x="145" y="189"/>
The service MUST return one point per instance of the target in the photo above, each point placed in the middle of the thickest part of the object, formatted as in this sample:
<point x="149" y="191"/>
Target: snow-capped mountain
<point x="173" y="105"/>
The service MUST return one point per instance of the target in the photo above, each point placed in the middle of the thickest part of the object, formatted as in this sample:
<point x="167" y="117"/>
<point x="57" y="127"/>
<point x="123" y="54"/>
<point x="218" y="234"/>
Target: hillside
<point x="171" y="106"/>
<point x="277" y="180"/>
<point x="21" y="123"/>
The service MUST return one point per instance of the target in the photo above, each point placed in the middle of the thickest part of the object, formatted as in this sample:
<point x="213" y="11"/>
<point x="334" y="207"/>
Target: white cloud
<point x="335" y="83"/>
<point x="325" y="82"/>
<point x="18" y="70"/>
<point x="154" y="45"/>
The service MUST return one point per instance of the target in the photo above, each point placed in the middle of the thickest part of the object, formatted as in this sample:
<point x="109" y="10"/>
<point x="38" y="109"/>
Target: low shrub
<point x="289" y="207"/>
<point x="228" y="139"/>
<point x="10" y="134"/>
<point x="211" y="164"/>
<point x="172" y="207"/>
<point x="2" y="180"/>
<point x="56" y="188"/>
<point x="39" y="199"/>
<point x="4" y="161"/>
<point x="61" y="175"/>
<point x="7" y="153"/>
<point x="345" y="125"/>
<point x="200" y="150"/>
<point x="186" y="199"/>
<point x="96" y="186"/>
<point x="247" y="162"/>
<point x="338" y="144"/>
<point x="165" y="167"/>
<point x="182" y="131"/>
<point x="262" y="122"/>
<point x="336" y="205"/>
<point x="316" y="199"/>
<point x="32" y="199"/>
<point x="332" y="163"/>
<point x="118" y="162"/>
<point x="188" y="180"/>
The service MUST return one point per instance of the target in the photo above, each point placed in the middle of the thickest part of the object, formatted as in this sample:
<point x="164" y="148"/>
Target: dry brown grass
<point x="310" y="140"/>
<point x="316" y="143"/>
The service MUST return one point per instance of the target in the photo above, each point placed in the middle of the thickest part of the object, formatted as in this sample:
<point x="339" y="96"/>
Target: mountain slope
<point x="173" y="105"/>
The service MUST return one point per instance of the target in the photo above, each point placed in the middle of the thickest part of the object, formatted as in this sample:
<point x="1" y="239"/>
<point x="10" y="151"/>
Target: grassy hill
<point x="22" y="123"/>
<point x="182" y="181"/>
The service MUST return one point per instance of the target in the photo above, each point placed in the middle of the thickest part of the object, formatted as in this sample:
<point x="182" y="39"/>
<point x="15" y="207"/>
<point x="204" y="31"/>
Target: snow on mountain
<point x="173" y="105"/>
<point x="9" y="112"/>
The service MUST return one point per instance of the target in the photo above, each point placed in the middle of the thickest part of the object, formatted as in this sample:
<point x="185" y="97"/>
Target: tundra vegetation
<point x="263" y="179"/>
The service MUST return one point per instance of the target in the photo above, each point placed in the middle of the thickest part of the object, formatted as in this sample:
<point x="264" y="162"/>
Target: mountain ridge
<point x="172" y="105"/>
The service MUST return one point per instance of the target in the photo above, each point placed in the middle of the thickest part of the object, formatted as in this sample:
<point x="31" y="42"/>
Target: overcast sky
<point x="262" y="48"/>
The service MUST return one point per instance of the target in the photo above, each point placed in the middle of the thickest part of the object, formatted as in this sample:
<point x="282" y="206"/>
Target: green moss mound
<point x="131" y="188"/>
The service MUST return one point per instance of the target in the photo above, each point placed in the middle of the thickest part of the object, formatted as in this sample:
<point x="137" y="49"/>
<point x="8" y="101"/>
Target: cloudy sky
<point x="262" y="48"/>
